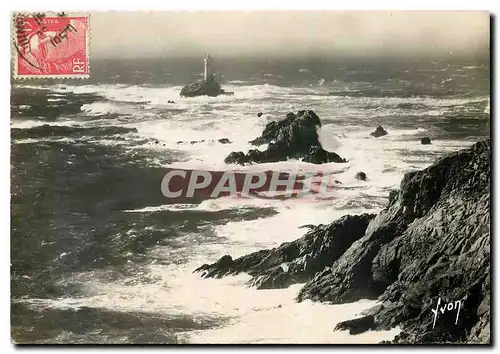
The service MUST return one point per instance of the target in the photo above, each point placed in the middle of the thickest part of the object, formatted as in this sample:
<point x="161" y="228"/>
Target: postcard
<point x="250" y="177"/>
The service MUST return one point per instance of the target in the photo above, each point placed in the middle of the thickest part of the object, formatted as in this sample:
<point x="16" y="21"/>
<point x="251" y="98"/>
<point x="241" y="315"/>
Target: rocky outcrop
<point x="203" y="88"/>
<point x="200" y="88"/>
<point x="192" y="142"/>
<point x="296" y="261"/>
<point x="357" y="325"/>
<point x="294" y="137"/>
<point x="379" y="131"/>
<point x="429" y="246"/>
<point x="361" y="176"/>
<point x="318" y="155"/>
<point x="224" y="141"/>
<point x="432" y="241"/>
<point x="425" y="141"/>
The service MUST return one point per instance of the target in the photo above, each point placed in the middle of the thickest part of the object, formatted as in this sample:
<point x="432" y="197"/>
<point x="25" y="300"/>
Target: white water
<point x="255" y="316"/>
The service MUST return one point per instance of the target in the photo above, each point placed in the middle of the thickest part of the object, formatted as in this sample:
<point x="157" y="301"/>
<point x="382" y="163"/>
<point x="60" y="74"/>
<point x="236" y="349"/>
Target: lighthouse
<point x="209" y="67"/>
<point x="210" y="86"/>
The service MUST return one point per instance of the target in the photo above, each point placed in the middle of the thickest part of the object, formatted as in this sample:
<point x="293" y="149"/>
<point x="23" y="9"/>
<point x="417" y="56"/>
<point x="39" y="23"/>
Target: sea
<point x="100" y="255"/>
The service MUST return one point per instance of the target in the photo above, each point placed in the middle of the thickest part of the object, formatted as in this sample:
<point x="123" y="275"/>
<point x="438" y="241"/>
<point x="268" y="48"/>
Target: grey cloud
<point x="326" y="33"/>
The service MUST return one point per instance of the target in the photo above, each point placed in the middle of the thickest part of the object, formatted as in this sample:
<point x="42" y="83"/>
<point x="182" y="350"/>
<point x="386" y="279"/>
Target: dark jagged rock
<point x="192" y="142"/>
<point x="318" y="156"/>
<point x="224" y="141"/>
<point x="425" y="141"/>
<point x="295" y="261"/>
<point x="379" y="131"/>
<point x="203" y="88"/>
<point x="294" y="137"/>
<point x="431" y="241"/>
<point x="295" y="129"/>
<point x="361" y="176"/>
<point x="236" y="157"/>
<point x="373" y="310"/>
<point x="221" y="265"/>
<point x="307" y="226"/>
<point x="358" y="325"/>
<point x="221" y="268"/>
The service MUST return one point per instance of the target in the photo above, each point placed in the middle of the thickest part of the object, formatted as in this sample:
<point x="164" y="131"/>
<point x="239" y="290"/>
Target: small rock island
<point x="210" y="86"/>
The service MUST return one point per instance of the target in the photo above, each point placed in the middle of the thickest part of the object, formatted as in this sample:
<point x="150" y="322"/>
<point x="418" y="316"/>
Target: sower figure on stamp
<point x="51" y="43"/>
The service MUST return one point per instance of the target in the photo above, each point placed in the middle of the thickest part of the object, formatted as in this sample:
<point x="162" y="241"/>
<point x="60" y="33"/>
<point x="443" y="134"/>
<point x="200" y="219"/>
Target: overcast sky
<point x="165" y="34"/>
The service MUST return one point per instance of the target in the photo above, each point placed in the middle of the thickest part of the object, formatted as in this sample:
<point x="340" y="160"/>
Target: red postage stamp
<point x="51" y="45"/>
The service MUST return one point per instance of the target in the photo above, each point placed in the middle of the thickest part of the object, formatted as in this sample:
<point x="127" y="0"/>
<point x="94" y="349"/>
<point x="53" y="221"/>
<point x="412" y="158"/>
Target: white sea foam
<point x="256" y="316"/>
<point x="28" y="124"/>
<point x="487" y="108"/>
<point x="38" y="140"/>
<point x="237" y="82"/>
<point x="28" y="141"/>
<point x="99" y="108"/>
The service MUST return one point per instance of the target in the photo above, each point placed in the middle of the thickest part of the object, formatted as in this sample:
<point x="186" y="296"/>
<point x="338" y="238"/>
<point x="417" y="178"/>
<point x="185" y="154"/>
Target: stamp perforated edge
<point x="14" y="53"/>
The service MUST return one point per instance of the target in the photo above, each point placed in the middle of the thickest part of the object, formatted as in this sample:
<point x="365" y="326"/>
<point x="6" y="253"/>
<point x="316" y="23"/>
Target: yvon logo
<point x="450" y="306"/>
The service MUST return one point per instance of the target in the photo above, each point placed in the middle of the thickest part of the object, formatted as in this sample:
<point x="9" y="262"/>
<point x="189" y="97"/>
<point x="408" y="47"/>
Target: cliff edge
<point x="430" y="247"/>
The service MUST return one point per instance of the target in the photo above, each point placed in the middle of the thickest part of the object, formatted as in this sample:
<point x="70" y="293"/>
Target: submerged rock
<point x="379" y="131"/>
<point x="361" y="176"/>
<point x="425" y="141"/>
<point x="357" y="325"/>
<point x="373" y="310"/>
<point x="192" y="142"/>
<point x="236" y="157"/>
<point x="294" y="137"/>
<point x="318" y="156"/>
<point x="224" y="141"/>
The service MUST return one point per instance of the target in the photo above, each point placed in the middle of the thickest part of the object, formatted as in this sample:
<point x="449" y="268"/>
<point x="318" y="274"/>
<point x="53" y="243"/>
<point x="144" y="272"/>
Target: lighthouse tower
<point x="210" y="86"/>
<point x="209" y="67"/>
